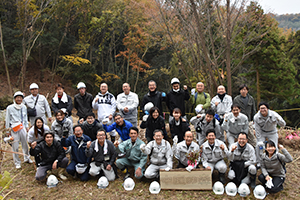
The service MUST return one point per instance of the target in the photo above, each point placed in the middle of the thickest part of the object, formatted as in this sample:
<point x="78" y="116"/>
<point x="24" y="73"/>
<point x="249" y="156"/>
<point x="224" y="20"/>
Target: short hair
<point x="154" y="109"/>
<point x="117" y="114"/>
<point x="263" y="104"/>
<point x="103" y="84"/>
<point x="127" y="84"/>
<point x="235" y="106"/>
<point x="156" y="131"/>
<point x="47" y="133"/>
<point x="177" y="110"/>
<point x="59" y="85"/>
<point x="243" y="86"/>
<point x="210" y="112"/>
<point x="77" y="125"/>
<point x="188" y="131"/>
<point x="89" y="114"/>
<point x="199" y="83"/>
<point x="134" y="128"/>
<point x="243" y="133"/>
<point x="151" y="81"/>
<point x="59" y="111"/>
<point x="101" y="130"/>
<point x="210" y="131"/>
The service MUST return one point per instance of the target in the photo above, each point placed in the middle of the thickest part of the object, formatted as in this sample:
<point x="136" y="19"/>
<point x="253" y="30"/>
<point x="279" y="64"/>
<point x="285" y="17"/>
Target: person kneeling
<point x="133" y="155"/>
<point x="79" y="161"/>
<point x="242" y="161"/>
<point x="104" y="154"/>
<point x="52" y="156"/>
<point x="214" y="152"/>
<point x="160" y="155"/>
<point x="273" y="168"/>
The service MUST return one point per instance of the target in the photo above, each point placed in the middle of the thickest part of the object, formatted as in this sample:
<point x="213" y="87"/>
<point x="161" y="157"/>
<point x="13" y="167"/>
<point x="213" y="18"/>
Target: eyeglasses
<point x="77" y="132"/>
<point x="100" y="135"/>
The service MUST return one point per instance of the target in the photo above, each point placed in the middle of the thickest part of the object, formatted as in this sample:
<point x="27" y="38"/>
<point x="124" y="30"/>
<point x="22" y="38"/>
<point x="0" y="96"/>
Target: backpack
<point x="282" y="163"/>
<point x="196" y="95"/>
<point x="198" y="127"/>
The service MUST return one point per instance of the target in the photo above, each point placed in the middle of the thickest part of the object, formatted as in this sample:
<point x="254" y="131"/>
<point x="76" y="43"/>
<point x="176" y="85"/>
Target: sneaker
<point x="62" y="177"/>
<point x="28" y="161"/>
<point x="18" y="166"/>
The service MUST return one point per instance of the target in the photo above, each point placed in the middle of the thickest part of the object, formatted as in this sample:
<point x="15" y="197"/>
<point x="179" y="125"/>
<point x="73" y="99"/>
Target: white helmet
<point x="198" y="108"/>
<point x="154" y="187"/>
<point x="102" y="182"/>
<point x="218" y="188"/>
<point x="18" y="93"/>
<point x="33" y="86"/>
<point x="231" y="189"/>
<point x="175" y="80"/>
<point x="128" y="184"/>
<point x="259" y="192"/>
<point x="244" y="190"/>
<point x="148" y="106"/>
<point x="52" y="181"/>
<point x="80" y="168"/>
<point x="81" y="85"/>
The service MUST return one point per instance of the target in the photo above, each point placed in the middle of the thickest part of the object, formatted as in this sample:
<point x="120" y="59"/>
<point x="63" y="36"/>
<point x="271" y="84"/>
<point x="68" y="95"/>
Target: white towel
<point x="104" y="148"/>
<point x="64" y="98"/>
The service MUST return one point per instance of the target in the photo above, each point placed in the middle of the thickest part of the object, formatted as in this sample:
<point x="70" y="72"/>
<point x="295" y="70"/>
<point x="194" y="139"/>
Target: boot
<point x="113" y="139"/>
<point x="222" y="178"/>
<point x="252" y="180"/>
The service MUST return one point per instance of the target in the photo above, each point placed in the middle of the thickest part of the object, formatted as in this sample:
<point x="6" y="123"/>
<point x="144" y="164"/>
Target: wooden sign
<point x="181" y="179"/>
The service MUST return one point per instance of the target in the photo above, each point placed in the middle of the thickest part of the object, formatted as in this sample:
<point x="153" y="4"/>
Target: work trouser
<point x="219" y="165"/>
<point x="124" y="162"/>
<point x="251" y="171"/>
<point x="153" y="170"/>
<point x="277" y="182"/>
<point x="71" y="169"/>
<point x="41" y="171"/>
<point x="95" y="170"/>
<point x="20" y="136"/>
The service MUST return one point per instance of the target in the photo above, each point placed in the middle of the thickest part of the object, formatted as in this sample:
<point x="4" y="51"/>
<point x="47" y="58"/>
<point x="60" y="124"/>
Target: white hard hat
<point x="148" y="106"/>
<point x="218" y="188"/>
<point x="244" y="190"/>
<point x="175" y="80"/>
<point x="80" y="85"/>
<point x="102" y="182"/>
<point x="52" y="181"/>
<point x="128" y="184"/>
<point x="154" y="187"/>
<point x="80" y="168"/>
<point x="64" y="110"/>
<point x="259" y="192"/>
<point x="19" y="93"/>
<point x="33" y="86"/>
<point x="231" y="189"/>
<point x="198" y="108"/>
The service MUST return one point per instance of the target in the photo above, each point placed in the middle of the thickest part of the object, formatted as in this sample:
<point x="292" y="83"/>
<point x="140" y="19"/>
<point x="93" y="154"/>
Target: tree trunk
<point x="5" y="64"/>
<point x="228" y="49"/>
<point x="128" y="63"/>
<point x="257" y="87"/>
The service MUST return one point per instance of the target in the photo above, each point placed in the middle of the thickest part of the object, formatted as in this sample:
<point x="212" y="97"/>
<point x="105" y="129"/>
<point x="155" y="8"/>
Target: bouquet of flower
<point x="193" y="157"/>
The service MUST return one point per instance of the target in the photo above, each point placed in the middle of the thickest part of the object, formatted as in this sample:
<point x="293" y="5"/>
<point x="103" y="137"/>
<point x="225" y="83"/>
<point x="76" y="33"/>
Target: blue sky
<point x="280" y="6"/>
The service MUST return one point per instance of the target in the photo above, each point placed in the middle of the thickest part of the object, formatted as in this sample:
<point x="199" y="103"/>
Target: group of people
<point x="93" y="153"/>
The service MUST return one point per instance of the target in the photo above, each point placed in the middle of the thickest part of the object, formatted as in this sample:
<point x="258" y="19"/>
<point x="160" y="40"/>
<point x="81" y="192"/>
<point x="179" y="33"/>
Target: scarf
<point x="64" y="98"/>
<point x="221" y="96"/>
<point x="104" y="148"/>
<point x="18" y="106"/>
<point x="62" y="121"/>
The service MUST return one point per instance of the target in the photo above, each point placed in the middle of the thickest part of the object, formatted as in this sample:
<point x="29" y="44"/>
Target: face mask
<point x="176" y="90"/>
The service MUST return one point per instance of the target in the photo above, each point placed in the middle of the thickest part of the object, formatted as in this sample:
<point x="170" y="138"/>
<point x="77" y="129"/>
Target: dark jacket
<point x="91" y="129"/>
<point x="180" y="129"/>
<point x="250" y="109"/>
<point x="99" y="157"/>
<point x="156" y="98"/>
<point x="78" y="148"/>
<point x="68" y="105"/>
<point x="48" y="154"/>
<point x="176" y="100"/>
<point x="153" y="124"/>
<point x="83" y="104"/>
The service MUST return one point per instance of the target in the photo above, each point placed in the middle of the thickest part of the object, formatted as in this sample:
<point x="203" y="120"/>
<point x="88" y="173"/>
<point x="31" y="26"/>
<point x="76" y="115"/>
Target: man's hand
<point x="108" y="167"/>
<point x="281" y="146"/>
<point x="50" y="119"/>
<point x="81" y="121"/>
<point x="268" y="178"/>
<point x="110" y="117"/>
<point x="217" y="103"/>
<point x="33" y="145"/>
<point x="116" y="143"/>
<point x="222" y="147"/>
<point x="54" y="166"/>
<point x="88" y="144"/>
<point x="185" y="87"/>
<point x="138" y="172"/>
<point x="126" y="110"/>
<point x="27" y="129"/>
<point x="208" y="167"/>
<point x="233" y="148"/>
<point x="143" y="147"/>
<point x="96" y="100"/>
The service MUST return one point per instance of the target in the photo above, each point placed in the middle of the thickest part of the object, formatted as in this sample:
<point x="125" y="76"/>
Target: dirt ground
<point x="24" y="186"/>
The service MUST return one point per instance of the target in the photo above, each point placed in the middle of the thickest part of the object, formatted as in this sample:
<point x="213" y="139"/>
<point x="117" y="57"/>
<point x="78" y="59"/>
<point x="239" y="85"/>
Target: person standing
<point x="176" y="98"/>
<point x="221" y="103"/>
<point x="62" y="100"/>
<point x="154" y="97"/>
<point x="38" y="103"/>
<point x="200" y="98"/>
<point x="83" y="101"/>
<point x="16" y="124"/>
<point x="127" y="103"/>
